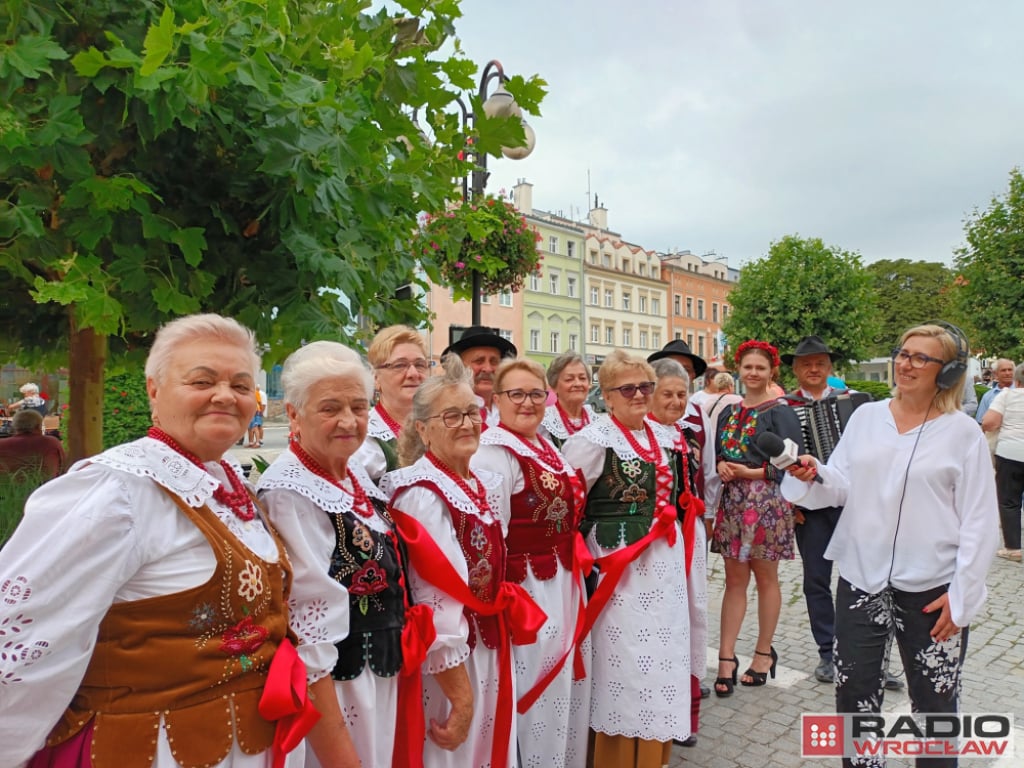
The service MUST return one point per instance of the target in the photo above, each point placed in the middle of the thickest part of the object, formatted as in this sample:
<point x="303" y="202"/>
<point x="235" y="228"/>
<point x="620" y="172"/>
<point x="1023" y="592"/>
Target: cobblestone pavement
<point x="760" y="727"/>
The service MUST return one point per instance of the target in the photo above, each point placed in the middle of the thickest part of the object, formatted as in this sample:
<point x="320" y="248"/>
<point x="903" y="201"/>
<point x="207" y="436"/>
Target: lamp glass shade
<point x="518" y="153"/>
<point x="501" y="104"/>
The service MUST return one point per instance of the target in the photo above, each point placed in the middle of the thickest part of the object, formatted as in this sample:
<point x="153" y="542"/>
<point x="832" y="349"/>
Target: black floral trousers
<point x="866" y="625"/>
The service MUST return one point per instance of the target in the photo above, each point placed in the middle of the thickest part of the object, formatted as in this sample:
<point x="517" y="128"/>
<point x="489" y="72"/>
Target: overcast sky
<point x="723" y="125"/>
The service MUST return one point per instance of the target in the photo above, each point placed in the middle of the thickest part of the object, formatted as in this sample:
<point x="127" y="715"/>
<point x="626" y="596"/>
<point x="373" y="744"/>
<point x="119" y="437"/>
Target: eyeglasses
<point x="917" y="360"/>
<point x="454" y="419"/>
<point x="628" y="391"/>
<point x="401" y="366"/>
<point x="517" y="396"/>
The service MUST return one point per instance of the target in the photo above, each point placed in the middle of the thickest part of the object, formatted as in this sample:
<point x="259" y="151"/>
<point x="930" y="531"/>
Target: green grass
<point x="15" y="488"/>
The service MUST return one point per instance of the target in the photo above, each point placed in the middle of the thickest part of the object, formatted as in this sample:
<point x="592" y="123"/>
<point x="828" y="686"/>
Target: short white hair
<point x="29" y="388"/>
<point x="193" y="328"/>
<point x="319" y="360"/>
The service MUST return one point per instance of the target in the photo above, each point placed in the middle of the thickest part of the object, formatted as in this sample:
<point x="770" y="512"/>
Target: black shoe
<point x="760" y="678"/>
<point x="893" y="683"/>
<point x="705" y="692"/>
<point x="823" y="673"/>
<point x="724" y="685"/>
<point x="690" y="741"/>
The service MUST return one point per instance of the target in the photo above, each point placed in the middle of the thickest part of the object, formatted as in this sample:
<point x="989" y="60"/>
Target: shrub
<point x="15" y="488"/>
<point x="877" y="389"/>
<point x="126" y="413"/>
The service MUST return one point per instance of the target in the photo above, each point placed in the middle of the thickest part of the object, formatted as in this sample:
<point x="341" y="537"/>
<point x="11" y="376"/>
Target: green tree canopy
<point x="908" y="293"/>
<point x="804" y="287"/>
<point x="989" y="287"/>
<point x="252" y="158"/>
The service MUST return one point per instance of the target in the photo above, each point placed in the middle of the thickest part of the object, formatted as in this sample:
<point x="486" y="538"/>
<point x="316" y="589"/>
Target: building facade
<point x="699" y="302"/>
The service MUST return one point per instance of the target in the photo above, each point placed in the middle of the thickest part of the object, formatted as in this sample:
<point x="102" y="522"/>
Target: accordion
<point x="822" y="421"/>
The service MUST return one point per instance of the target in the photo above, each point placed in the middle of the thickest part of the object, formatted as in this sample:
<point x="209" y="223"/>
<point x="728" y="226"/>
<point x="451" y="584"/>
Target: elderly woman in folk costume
<point x="668" y="407"/>
<point x="350" y="606"/>
<point x="641" y="638"/>
<point x="398" y="356"/>
<point x="568" y="378"/>
<point x="147" y="595"/>
<point x="448" y="516"/>
<point x="541" y="503"/>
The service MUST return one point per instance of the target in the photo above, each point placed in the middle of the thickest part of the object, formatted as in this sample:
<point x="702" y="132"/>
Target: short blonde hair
<point x="387" y="339"/>
<point x="619" y="362"/>
<point x="946" y="400"/>
<point x="193" y="328"/>
<point x="724" y="381"/>
<point x="517" y="364"/>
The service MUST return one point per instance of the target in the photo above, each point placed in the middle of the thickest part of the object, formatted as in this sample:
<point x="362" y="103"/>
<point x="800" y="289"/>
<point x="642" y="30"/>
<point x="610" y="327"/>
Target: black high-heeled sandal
<point x="728" y="683"/>
<point x="760" y="678"/>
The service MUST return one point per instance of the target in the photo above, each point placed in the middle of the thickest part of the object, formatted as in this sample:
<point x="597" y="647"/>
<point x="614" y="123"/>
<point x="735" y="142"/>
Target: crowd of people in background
<point x="470" y="566"/>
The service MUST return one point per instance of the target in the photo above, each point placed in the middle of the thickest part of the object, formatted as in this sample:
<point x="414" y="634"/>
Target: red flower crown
<point x="764" y="346"/>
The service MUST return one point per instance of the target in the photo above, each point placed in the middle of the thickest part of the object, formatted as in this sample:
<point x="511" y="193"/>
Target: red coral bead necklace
<point x="360" y="501"/>
<point x="387" y="418"/>
<point x="545" y="451"/>
<point x="237" y="499"/>
<point x="478" y="496"/>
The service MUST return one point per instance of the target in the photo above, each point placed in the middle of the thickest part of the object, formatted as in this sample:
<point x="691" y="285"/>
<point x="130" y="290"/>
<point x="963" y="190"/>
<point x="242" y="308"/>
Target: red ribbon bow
<point x="286" y="699"/>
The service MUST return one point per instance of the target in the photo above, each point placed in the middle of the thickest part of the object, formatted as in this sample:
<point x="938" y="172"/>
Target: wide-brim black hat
<point x="482" y="336"/>
<point x="680" y="347"/>
<point x="810" y="345"/>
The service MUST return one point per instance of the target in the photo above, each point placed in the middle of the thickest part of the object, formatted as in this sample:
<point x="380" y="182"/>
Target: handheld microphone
<point x="781" y="453"/>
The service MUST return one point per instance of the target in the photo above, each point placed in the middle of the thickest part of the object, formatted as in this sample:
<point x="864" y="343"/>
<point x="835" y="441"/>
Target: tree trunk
<point x="88" y="357"/>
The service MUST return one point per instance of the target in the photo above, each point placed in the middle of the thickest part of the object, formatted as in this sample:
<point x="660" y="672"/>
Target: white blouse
<point x="103" y="533"/>
<point x="919" y="509"/>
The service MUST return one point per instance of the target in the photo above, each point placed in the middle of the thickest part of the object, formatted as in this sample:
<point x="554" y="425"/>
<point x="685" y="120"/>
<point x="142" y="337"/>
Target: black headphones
<point x="954" y="370"/>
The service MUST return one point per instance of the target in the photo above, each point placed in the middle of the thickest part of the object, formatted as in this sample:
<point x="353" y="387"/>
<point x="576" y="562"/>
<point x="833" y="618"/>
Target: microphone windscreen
<point x="770" y="444"/>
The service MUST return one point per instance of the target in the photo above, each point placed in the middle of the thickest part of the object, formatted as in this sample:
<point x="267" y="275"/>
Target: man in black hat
<point x="823" y="412"/>
<point x="482" y="350"/>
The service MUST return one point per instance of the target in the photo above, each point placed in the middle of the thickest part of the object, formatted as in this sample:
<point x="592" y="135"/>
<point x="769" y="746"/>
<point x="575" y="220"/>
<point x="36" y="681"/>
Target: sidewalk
<point x="760" y="727"/>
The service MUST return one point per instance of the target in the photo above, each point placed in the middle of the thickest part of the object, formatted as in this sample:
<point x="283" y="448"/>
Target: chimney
<point x="598" y="215"/>
<point x="522" y="197"/>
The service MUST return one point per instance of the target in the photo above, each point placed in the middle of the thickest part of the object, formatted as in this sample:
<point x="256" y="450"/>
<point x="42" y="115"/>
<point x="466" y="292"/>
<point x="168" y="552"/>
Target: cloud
<point x="726" y="125"/>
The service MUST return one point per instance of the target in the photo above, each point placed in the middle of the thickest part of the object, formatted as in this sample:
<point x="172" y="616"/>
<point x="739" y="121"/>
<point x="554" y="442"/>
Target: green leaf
<point x="192" y="243"/>
<point x="159" y="43"/>
<point x="30" y="55"/>
<point x="89" y="62"/>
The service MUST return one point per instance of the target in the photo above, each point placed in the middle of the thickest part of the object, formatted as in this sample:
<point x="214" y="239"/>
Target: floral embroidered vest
<point x="542" y="529"/>
<point x="197" y="658"/>
<point x="483" y="546"/>
<point x="368" y="564"/>
<point x="620" y="504"/>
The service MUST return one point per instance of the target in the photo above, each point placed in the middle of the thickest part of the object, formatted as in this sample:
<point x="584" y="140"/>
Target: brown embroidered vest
<point x="542" y="528"/>
<point x="197" y="658"/>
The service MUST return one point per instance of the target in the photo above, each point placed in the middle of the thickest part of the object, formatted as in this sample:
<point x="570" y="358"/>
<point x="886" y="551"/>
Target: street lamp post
<point x="499" y="104"/>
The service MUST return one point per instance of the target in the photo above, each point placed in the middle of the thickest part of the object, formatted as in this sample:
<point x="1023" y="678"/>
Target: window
<point x="595" y="333"/>
<point x="700" y="309"/>
<point x="679" y="336"/>
<point x="506" y="335"/>
<point x="609" y="335"/>
<point x="609" y="297"/>
<point x="641" y="269"/>
<point x="574" y="341"/>
<point x="556" y="342"/>
<point x="593" y="296"/>
<point x="570" y="249"/>
<point x="677" y="304"/>
<point x="689" y="340"/>
<point x="553" y="282"/>
<point x="626" y="266"/>
<point x="626" y="300"/>
<point x="570" y="286"/>
<point x="534" y="341"/>
<point x="714" y="312"/>
<point x="505" y="298"/>
<point x="700" y="345"/>
<point x="656" y="340"/>
<point x="689" y="307"/>
<point x="655" y="306"/>
<point x="627" y="337"/>
<point x="606" y="260"/>
<point x="553" y="244"/>
<point x="534" y="282"/>
<point x="725" y="312"/>
<point x="593" y="257"/>
<point x="642" y="304"/>
<point x="643" y="339"/>
<point x="485" y="299"/>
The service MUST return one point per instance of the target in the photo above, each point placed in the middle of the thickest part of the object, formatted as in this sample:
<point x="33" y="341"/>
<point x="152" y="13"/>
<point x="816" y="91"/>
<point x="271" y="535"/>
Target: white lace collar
<point x="399" y="479"/>
<point x="151" y="458"/>
<point x="287" y="472"/>
<point x="556" y="427"/>
<point x="504" y="438"/>
<point x="602" y="431"/>
<point x="378" y="428"/>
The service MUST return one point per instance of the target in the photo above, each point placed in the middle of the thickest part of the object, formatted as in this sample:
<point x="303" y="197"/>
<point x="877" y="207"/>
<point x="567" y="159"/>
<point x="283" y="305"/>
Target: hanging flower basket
<point x="487" y="235"/>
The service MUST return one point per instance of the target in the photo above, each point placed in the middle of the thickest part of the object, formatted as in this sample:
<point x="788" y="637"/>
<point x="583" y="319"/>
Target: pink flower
<point x="434" y="245"/>
<point x="750" y="517"/>
<point x="460" y="265"/>
<point x="478" y="257"/>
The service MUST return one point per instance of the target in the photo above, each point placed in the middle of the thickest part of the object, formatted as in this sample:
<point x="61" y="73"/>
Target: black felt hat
<point x="680" y="347"/>
<point x="810" y="345"/>
<point x="482" y="336"/>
